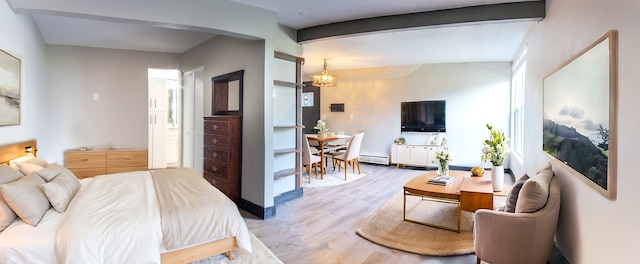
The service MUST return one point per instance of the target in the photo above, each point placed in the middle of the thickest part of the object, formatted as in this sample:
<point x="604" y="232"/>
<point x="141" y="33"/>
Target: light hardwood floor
<point x="320" y="226"/>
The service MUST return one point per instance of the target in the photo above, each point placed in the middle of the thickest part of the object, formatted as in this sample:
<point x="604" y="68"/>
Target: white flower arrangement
<point x="444" y="158"/>
<point x="444" y="155"/>
<point x="496" y="148"/>
<point x="320" y="127"/>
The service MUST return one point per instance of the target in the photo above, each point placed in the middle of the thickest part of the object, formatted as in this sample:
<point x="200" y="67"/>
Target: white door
<point x="193" y="124"/>
<point x="157" y="137"/>
<point x="157" y="93"/>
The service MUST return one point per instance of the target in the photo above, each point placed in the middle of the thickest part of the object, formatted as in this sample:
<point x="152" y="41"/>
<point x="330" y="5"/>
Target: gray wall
<point x="221" y="55"/>
<point x="118" y="119"/>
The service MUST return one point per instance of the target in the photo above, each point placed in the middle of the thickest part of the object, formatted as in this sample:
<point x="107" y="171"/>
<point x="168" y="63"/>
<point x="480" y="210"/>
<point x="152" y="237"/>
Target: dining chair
<point x="350" y="156"/>
<point x="309" y="160"/>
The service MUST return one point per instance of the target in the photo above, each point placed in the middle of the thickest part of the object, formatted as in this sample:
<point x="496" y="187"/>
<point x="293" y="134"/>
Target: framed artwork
<point x="9" y="89"/>
<point x="580" y="112"/>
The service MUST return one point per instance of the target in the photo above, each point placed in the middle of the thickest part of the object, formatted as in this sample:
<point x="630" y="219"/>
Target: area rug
<point x="261" y="254"/>
<point x="386" y="227"/>
<point x="331" y="178"/>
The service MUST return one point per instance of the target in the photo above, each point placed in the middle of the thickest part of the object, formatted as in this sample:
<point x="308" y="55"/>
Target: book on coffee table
<point x="442" y="180"/>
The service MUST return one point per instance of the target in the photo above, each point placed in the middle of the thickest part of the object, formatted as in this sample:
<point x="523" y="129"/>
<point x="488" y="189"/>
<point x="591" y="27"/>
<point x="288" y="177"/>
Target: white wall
<point x="118" y="119"/>
<point x="591" y="228"/>
<point x="476" y="94"/>
<point x="20" y="38"/>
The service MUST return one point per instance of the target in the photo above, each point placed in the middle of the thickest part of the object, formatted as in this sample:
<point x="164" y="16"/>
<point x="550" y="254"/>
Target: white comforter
<point x="134" y="217"/>
<point x="115" y="219"/>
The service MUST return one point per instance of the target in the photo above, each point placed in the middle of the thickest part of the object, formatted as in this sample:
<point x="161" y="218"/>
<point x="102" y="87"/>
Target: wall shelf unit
<point x="287" y="123"/>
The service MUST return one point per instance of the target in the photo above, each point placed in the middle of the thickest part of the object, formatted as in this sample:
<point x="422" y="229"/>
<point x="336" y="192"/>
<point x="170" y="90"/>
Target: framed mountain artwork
<point x="580" y="112"/>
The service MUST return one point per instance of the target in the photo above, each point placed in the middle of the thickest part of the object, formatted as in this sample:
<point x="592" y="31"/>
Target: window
<point x="517" y="105"/>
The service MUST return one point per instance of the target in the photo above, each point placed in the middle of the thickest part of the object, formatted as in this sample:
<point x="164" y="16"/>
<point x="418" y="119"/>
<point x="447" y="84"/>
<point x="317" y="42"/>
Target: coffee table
<point x="468" y="193"/>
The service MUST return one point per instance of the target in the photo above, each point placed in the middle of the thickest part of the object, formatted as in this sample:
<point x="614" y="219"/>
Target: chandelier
<point x="324" y="79"/>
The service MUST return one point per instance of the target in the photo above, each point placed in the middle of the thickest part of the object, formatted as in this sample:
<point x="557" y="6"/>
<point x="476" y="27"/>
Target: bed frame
<point x="186" y="255"/>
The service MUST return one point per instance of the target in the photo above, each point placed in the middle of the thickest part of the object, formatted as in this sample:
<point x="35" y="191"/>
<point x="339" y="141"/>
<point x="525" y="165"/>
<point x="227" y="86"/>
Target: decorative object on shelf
<point x="444" y="158"/>
<point x="322" y="130"/>
<point x="495" y="149"/>
<point x="400" y="140"/>
<point x="324" y="79"/>
<point x="477" y="171"/>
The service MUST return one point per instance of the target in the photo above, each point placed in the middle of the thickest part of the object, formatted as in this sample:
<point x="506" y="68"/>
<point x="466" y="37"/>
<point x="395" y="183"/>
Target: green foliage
<point x="603" y="134"/>
<point x="496" y="148"/>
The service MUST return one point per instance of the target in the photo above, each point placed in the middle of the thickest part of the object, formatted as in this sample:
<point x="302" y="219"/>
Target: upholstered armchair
<point x="506" y="238"/>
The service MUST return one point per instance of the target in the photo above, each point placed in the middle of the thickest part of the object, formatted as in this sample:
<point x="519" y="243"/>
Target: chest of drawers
<point x="91" y="163"/>
<point x="222" y="153"/>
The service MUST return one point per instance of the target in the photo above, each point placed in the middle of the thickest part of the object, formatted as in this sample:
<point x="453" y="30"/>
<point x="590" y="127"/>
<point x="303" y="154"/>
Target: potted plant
<point x="495" y="150"/>
<point x="444" y="158"/>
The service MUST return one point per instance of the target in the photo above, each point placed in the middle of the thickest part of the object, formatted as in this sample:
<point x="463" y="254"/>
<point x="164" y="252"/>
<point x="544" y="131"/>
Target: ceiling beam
<point x="533" y="10"/>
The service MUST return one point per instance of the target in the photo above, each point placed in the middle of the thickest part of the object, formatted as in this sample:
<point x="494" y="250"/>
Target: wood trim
<point x="287" y="57"/>
<point x="200" y="251"/>
<point x="16" y="150"/>
<point x="529" y="10"/>
<point x="287" y="84"/>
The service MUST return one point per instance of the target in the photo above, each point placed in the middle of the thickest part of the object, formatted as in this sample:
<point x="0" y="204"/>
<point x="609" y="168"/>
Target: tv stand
<point x="415" y="155"/>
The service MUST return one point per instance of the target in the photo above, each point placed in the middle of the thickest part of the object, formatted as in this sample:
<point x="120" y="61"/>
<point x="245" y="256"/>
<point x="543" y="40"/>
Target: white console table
<point x="414" y="155"/>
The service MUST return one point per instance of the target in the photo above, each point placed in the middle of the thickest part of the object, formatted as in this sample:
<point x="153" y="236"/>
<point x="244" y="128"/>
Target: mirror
<point x="227" y="93"/>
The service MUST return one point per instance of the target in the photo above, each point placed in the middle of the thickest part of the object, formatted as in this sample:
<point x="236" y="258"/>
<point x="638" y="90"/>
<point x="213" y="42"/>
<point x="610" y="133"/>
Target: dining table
<point x="321" y="141"/>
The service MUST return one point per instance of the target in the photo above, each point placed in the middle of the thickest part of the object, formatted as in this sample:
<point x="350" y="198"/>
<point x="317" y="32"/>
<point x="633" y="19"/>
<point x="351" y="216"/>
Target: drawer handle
<point x="215" y="127"/>
<point x="215" y="141"/>
<point x="84" y="159"/>
<point x="214" y="182"/>
<point x="127" y="158"/>
<point x="214" y="168"/>
<point x="214" y="155"/>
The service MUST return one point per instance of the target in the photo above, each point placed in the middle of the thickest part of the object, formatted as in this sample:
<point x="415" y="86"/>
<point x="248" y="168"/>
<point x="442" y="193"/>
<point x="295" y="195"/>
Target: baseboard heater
<point x="375" y="159"/>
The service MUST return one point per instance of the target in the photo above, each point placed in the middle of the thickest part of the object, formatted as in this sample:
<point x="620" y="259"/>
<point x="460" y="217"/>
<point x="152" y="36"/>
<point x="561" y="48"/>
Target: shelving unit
<point x="287" y="119"/>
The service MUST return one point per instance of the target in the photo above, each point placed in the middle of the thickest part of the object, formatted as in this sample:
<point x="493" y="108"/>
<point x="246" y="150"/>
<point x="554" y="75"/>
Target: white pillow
<point x="61" y="190"/>
<point x="7" y="215"/>
<point x="26" y="198"/>
<point x="534" y="193"/>
<point x="52" y="171"/>
<point x="24" y="158"/>
<point x="37" y="161"/>
<point x="27" y="168"/>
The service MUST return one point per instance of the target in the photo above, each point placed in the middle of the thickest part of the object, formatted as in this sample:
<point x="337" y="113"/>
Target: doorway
<point x="163" y="124"/>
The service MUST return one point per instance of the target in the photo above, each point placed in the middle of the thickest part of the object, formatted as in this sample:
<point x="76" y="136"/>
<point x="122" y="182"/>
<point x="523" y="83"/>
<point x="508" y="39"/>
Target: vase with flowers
<point x="495" y="150"/>
<point x="444" y="158"/>
<point x="322" y="130"/>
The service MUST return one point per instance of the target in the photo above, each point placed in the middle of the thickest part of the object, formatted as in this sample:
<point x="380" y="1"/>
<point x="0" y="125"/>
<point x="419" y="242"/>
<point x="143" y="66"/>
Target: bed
<point x="159" y="216"/>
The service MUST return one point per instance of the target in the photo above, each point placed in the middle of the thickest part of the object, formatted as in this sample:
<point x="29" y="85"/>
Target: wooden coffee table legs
<point x="442" y="200"/>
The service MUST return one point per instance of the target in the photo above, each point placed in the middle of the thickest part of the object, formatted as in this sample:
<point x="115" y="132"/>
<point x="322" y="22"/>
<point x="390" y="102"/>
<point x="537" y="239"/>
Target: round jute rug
<point x="386" y="227"/>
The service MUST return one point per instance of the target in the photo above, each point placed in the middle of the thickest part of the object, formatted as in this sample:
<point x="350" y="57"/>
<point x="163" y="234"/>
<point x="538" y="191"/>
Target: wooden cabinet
<point x="91" y="163"/>
<point x="222" y="153"/>
<point x="414" y="155"/>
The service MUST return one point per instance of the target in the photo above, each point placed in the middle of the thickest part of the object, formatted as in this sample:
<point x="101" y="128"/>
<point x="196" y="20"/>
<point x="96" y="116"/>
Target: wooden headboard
<point x="12" y="151"/>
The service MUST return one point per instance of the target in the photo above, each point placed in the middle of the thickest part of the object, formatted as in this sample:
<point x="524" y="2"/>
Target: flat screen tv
<point x="423" y="116"/>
